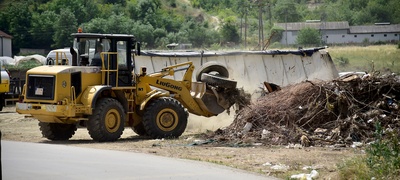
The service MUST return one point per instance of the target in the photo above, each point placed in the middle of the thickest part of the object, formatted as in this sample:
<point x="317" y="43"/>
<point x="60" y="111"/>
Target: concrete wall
<point x="385" y="37"/>
<point x="251" y="69"/>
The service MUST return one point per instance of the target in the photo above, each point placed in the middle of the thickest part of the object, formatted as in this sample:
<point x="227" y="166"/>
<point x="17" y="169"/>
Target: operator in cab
<point x="96" y="61"/>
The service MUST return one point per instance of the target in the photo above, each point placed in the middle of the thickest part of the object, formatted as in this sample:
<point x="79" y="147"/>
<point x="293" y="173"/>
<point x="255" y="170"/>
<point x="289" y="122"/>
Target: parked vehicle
<point x="4" y="85"/>
<point x="59" y="57"/>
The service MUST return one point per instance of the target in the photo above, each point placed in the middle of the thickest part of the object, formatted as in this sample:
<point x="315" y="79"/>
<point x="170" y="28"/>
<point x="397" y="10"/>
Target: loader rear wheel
<point x="213" y="68"/>
<point x="57" y="131"/>
<point x="165" y="118"/>
<point x="107" y="121"/>
<point x="214" y="80"/>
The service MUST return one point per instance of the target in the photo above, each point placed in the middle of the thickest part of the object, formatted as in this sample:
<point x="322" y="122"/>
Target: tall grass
<point x="382" y="58"/>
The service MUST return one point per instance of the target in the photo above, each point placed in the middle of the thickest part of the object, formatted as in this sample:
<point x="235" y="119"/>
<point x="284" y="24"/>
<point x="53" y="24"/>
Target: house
<point x="341" y="32"/>
<point x="5" y="44"/>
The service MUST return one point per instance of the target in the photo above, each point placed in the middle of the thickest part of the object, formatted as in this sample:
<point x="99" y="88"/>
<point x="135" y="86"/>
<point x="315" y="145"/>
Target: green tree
<point x="286" y="11"/>
<point x="64" y="27"/>
<point x="308" y="36"/>
<point x="17" y="20"/>
<point x="43" y="29"/>
<point x="229" y="31"/>
<point x="144" y="34"/>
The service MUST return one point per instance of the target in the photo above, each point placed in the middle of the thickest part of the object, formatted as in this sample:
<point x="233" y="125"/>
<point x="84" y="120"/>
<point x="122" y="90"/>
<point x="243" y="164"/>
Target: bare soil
<point x="278" y="161"/>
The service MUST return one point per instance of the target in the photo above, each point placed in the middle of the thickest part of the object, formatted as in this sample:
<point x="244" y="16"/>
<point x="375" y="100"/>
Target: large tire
<point x="214" y="80"/>
<point x="140" y="130"/>
<point x="2" y="102"/>
<point x="57" y="131"/>
<point x="165" y="118"/>
<point x="214" y="68"/>
<point x="107" y="121"/>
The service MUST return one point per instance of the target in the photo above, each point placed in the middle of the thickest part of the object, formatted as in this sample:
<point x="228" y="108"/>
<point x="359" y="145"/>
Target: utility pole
<point x="245" y="27"/>
<point x="260" y="24"/>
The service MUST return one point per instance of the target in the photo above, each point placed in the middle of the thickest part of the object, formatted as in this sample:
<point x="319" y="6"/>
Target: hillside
<point x="211" y="24"/>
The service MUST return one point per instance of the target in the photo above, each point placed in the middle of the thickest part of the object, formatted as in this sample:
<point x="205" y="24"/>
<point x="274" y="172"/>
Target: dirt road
<point x="278" y="161"/>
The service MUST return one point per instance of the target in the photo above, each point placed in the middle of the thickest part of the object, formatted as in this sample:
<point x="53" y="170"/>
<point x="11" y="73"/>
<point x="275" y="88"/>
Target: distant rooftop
<point x="376" y="28"/>
<point x="393" y="28"/>
<point x="296" y="26"/>
<point x="3" y="34"/>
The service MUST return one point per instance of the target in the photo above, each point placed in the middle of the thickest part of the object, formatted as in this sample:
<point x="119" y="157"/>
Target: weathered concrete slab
<point x="251" y="68"/>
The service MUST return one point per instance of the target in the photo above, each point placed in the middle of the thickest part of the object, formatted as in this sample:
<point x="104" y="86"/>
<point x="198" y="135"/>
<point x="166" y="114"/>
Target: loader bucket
<point x="209" y="99"/>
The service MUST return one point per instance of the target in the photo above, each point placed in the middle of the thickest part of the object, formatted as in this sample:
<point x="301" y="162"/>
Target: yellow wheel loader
<point x="101" y="91"/>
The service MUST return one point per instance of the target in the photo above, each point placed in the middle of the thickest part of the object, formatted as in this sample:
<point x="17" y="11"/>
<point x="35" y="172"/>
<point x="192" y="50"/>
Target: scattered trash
<point x="313" y="175"/>
<point x="201" y="142"/>
<point x="267" y="164"/>
<point x="265" y="133"/>
<point x="247" y="127"/>
<point x="357" y="144"/>
<point x="279" y="167"/>
<point x="304" y="141"/>
<point x="294" y="146"/>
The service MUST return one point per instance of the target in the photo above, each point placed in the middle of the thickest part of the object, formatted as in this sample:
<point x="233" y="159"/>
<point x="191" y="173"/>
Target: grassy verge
<point x="382" y="58"/>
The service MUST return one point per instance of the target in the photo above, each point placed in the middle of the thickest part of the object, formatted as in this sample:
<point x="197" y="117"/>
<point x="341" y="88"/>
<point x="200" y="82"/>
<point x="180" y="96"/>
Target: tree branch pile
<point x="341" y="111"/>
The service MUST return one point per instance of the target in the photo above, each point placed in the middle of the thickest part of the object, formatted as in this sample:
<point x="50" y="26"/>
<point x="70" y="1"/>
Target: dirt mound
<point x="341" y="111"/>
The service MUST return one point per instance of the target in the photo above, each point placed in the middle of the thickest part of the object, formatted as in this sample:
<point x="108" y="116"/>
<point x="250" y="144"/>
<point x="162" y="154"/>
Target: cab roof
<point x="109" y="36"/>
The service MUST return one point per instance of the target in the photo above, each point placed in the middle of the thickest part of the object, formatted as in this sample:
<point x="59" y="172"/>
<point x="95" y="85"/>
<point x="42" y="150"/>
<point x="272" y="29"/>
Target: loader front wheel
<point x="57" y="131"/>
<point x="107" y="121"/>
<point x="165" y="118"/>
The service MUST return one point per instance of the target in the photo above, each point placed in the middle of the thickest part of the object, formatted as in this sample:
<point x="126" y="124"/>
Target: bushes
<point x="383" y="155"/>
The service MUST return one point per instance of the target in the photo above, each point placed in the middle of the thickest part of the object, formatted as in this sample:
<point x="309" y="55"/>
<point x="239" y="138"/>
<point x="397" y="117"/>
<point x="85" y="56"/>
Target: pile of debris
<point x="341" y="111"/>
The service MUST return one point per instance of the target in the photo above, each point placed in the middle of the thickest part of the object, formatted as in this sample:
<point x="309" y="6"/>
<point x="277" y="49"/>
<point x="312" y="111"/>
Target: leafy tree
<point x="229" y="31"/>
<point x="18" y="20"/>
<point x="286" y="11"/>
<point x="43" y="28"/>
<point x="308" y="36"/>
<point x="144" y="34"/>
<point x="159" y="33"/>
<point x="64" y="27"/>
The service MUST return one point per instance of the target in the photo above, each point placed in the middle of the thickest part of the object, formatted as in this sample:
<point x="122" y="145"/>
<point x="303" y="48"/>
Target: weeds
<point x="383" y="155"/>
<point x="342" y="61"/>
<point x="382" y="159"/>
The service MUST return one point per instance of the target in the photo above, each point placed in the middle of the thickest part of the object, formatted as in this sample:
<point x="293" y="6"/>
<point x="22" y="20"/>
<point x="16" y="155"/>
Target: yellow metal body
<point x="4" y="86"/>
<point x="69" y="107"/>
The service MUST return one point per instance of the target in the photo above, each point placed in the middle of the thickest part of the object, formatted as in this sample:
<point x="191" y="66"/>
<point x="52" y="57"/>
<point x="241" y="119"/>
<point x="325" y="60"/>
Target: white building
<point x="342" y="33"/>
<point x="5" y="44"/>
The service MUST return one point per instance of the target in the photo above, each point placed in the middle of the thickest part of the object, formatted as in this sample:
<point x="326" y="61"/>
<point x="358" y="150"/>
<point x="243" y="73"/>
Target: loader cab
<point x="112" y="53"/>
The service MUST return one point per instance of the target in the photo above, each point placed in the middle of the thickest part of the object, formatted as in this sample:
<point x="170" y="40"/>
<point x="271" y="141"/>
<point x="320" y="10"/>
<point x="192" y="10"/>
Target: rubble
<point x="341" y="111"/>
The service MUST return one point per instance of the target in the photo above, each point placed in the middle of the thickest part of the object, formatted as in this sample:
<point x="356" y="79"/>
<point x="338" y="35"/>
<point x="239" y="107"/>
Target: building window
<point x="372" y="35"/>
<point x="342" y="36"/>
<point x="384" y="35"/>
<point x="355" y="35"/>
